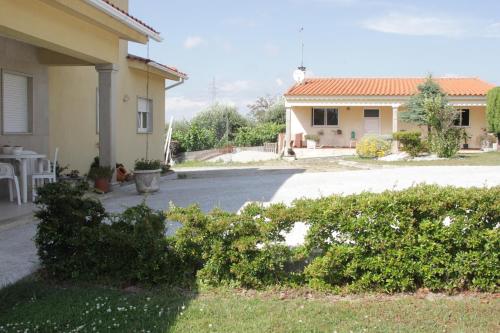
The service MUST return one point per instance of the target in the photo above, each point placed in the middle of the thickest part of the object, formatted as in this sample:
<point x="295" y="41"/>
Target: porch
<point x="38" y="37"/>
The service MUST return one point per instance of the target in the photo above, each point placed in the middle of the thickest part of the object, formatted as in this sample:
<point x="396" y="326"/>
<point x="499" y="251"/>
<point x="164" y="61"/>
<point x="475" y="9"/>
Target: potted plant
<point x="101" y="176"/>
<point x="465" y="137"/>
<point x="311" y="140"/>
<point x="147" y="175"/>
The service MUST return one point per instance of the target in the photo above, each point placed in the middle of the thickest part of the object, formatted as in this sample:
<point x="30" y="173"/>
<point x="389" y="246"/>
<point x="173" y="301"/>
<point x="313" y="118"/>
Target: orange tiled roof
<point x="385" y="87"/>
<point x="147" y="61"/>
<point x="132" y="17"/>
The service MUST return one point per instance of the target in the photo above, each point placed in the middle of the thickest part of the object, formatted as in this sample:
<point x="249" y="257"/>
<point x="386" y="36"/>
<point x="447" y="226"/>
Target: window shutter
<point x="15" y="103"/>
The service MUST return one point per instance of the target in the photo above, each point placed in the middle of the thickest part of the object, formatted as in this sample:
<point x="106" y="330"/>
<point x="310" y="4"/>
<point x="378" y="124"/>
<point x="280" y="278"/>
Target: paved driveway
<point x="231" y="188"/>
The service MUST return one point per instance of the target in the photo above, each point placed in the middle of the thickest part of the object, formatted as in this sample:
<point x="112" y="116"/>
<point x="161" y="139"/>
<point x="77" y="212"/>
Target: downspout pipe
<point x="175" y="84"/>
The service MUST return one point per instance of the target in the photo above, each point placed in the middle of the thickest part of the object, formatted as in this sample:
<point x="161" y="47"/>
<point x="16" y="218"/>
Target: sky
<point x="251" y="48"/>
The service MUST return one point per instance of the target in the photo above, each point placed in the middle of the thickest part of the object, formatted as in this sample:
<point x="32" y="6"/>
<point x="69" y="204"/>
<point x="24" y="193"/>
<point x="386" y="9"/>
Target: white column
<point x="395" y="126"/>
<point x="107" y="114"/>
<point x="288" y="133"/>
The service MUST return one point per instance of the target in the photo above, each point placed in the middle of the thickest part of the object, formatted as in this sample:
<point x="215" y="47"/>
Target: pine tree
<point x="416" y="112"/>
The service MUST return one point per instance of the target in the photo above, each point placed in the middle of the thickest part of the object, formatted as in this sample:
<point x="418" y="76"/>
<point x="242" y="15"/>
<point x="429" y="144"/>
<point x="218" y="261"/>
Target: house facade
<point x="342" y="110"/>
<point x="68" y="81"/>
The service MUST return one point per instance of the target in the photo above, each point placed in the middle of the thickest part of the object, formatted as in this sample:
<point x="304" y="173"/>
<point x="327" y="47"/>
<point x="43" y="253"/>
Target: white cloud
<point x="493" y="30"/>
<point x="432" y="25"/>
<point x="235" y="86"/>
<point x="415" y="25"/>
<point x="193" y="41"/>
<point x="279" y="82"/>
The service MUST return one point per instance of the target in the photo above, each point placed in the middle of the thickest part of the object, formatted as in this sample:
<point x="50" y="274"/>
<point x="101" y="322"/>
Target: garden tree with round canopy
<point x="493" y="112"/>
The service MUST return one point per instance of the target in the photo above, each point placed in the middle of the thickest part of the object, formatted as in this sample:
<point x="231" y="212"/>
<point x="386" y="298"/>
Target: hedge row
<point x="440" y="238"/>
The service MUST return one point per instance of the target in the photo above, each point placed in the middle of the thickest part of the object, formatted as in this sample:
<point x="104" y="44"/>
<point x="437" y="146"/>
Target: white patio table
<point x="23" y="158"/>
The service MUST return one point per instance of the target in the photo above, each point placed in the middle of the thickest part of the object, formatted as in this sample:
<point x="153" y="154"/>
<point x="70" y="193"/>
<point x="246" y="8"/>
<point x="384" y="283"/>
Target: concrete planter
<point x="147" y="181"/>
<point x="311" y="144"/>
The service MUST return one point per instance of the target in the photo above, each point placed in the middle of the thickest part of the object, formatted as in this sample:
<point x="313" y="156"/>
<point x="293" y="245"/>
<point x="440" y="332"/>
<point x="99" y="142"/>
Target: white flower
<point x="447" y="221"/>
<point x="496" y="226"/>
<point x="256" y="217"/>
<point x="259" y="246"/>
<point x="267" y="219"/>
<point x="395" y="227"/>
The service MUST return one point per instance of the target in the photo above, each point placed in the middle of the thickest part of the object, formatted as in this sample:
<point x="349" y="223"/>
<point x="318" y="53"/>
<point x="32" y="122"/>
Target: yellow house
<point x="342" y="110"/>
<point x="68" y="81"/>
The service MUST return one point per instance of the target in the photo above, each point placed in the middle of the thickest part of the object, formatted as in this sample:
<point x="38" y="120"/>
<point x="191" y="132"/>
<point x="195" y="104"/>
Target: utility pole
<point x="213" y="90"/>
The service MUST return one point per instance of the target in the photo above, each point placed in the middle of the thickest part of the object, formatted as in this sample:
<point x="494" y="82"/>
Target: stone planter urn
<point x="311" y="144"/>
<point x="147" y="181"/>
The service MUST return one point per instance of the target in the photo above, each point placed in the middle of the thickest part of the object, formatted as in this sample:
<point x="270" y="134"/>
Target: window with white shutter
<point x="16" y="103"/>
<point x="144" y="115"/>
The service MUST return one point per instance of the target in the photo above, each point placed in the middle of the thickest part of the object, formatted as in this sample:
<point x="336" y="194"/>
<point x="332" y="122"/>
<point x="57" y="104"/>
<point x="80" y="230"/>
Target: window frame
<point x="149" y="118"/>
<point x="460" y="120"/>
<point x="30" y="97"/>
<point x="325" y="116"/>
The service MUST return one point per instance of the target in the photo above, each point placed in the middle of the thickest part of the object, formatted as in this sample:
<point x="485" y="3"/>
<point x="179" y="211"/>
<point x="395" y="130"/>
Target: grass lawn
<point x="492" y="158"/>
<point x="31" y="303"/>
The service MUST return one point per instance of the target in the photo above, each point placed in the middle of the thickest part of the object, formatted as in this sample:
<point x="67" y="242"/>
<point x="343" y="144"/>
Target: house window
<point x="325" y="117"/>
<point x="462" y="119"/>
<point x="144" y="115"/>
<point x="17" y="94"/>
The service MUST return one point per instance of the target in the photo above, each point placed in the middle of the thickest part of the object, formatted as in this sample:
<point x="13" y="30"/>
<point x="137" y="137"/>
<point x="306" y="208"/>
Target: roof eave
<point x="125" y="19"/>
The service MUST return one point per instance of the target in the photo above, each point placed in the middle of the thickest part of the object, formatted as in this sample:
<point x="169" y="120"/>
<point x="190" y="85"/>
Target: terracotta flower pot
<point x="102" y="184"/>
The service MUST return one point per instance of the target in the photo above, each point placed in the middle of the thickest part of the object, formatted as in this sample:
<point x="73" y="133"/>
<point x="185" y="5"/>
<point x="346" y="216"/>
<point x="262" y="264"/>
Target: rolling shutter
<point x="15" y="103"/>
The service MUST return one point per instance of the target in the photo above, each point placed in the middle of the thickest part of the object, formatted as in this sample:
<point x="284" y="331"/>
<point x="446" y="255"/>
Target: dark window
<point x="462" y="118"/>
<point x="371" y="113"/>
<point x="332" y="117"/>
<point x="328" y="117"/>
<point x="318" y="117"/>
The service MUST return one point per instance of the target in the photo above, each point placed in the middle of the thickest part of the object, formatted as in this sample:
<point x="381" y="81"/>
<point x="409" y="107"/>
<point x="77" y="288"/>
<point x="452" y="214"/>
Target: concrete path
<point x="230" y="189"/>
<point x="18" y="256"/>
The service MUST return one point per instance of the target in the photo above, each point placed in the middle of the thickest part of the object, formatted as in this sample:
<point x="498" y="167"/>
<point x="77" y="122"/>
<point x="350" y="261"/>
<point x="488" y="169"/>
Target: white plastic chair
<point x="48" y="174"/>
<point x="7" y="172"/>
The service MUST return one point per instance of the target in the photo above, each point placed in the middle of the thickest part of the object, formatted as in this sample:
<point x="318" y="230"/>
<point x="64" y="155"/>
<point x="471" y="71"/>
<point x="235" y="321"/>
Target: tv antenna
<point x="213" y="90"/>
<point x="299" y="74"/>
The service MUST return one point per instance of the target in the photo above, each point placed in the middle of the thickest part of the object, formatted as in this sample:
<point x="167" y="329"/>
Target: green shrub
<point x="194" y="137"/>
<point x="422" y="237"/>
<point x="233" y="249"/>
<point x="372" y="146"/>
<point x="259" y="134"/>
<point x="445" y="143"/>
<point x="411" y="141"/>
<point x="313" y="137"/>
<point x="69" y="223"/>
<point x="144" y="164"/>
<point x="443" y="239"/>
<point x="76" y="239"/>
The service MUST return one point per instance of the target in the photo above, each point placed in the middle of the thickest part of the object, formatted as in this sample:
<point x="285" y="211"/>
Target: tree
<point x="444" y="138"/>
<point x="493" y="112"/>
<point x="417" y="113"/>
<point x="219" y="116"/>
<point x="267" y="109"/>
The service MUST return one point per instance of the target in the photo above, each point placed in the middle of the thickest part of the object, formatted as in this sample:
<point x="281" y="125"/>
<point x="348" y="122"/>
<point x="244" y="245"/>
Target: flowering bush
<point x="372" y="146"/>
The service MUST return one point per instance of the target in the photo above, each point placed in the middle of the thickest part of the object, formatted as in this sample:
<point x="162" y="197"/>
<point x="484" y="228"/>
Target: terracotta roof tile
<point x="385" y="87"/>
<point x="132" y="17"/>
<point x="146" y="61"/>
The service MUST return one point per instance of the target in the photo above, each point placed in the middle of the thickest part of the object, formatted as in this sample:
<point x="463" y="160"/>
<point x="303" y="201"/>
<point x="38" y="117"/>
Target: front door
<point x="372" y="121"/>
